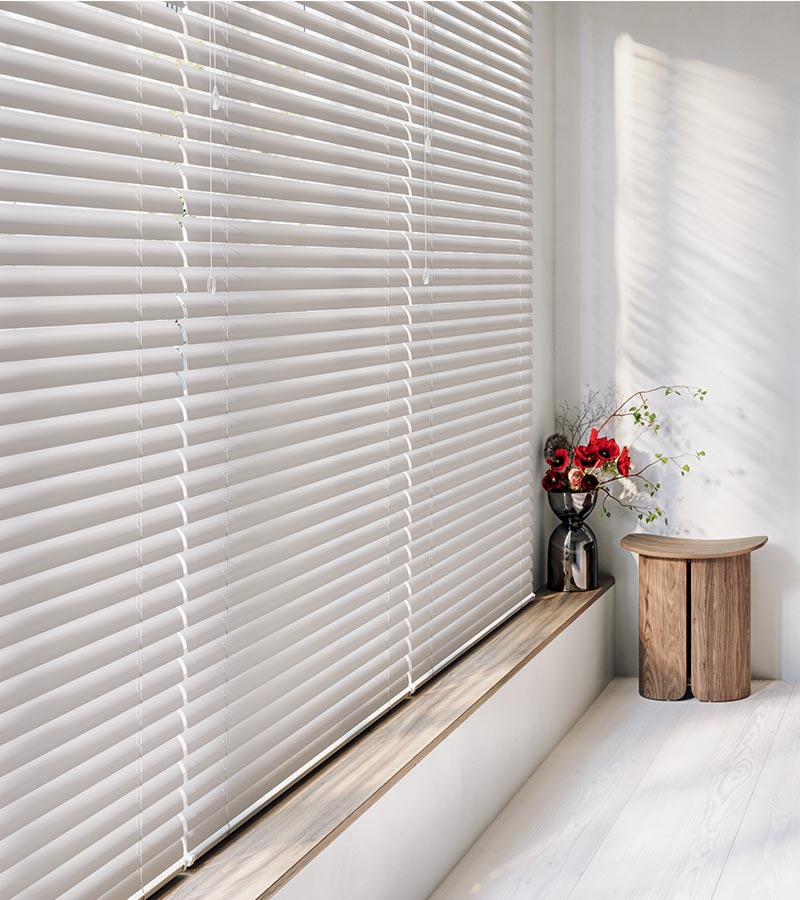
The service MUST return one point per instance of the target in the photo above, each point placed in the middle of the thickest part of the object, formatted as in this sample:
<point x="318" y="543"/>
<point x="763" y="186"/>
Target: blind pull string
<point x="409" y="216"/>
<point x="214" y="104"/>
<point x="183" y="315"/>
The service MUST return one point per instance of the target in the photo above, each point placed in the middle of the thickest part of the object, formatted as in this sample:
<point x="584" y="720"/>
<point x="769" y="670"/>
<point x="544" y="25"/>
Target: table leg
<point x="662" y="628"/>
<point x="720" y="602"/>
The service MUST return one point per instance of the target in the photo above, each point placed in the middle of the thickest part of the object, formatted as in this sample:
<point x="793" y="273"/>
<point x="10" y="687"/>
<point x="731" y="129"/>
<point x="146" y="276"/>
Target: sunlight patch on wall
<point x="703" y="230"/>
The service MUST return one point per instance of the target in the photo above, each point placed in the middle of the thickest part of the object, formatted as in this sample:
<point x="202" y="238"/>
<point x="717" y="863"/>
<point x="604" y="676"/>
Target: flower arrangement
<point x="579" y="463"/>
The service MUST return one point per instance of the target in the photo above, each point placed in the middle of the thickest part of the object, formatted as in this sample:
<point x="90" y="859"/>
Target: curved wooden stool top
<point x="694" y="616"/>
<point x="690" y="548"/>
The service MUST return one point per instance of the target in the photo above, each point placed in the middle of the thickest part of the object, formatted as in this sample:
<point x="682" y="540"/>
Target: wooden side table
<point x="694" y="616"/>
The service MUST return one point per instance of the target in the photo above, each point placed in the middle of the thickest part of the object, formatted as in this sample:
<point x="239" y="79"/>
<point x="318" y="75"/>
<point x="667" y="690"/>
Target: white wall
<point x="404" y="846"/>
<point x="678" y="260"/>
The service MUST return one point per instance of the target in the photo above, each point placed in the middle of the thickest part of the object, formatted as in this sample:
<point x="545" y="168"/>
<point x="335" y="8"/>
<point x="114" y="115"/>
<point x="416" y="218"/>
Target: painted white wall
<point x="678" y="260"/>
<point x="405" y="845"/>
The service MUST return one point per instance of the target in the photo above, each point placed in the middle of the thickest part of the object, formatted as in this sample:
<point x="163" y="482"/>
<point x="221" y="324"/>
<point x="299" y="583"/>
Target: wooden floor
<point x="645" y="799"/>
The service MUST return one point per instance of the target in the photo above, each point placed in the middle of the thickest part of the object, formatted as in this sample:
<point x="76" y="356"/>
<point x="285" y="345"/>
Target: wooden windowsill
<point x="262" y="855"/>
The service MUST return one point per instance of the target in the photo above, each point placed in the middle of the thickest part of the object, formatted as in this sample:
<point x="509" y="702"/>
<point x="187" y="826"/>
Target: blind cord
<point x="183" y="365"/>
<point x="409" y="215"/>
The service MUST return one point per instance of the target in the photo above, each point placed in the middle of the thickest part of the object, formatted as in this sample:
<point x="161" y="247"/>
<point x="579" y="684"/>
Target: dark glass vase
<point x="572" y="551"/>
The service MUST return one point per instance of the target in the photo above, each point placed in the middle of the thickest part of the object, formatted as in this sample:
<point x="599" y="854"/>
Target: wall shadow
<point x="687" y="200"/>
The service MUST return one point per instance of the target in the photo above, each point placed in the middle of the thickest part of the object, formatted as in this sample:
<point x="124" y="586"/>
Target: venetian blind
<point x="266" y="393"/>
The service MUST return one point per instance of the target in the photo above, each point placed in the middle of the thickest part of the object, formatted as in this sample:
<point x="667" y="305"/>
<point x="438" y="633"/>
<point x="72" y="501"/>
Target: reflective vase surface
<point x="572" y="551"/>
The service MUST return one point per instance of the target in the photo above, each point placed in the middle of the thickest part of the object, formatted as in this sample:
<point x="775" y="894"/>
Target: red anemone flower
<point x="624" y="463"/>
<point x="560" y="460"/>
<point x="607" y="449"/>
<point x="589" y="482"/>
<point x="586" y="456"/>
<point x="554" y="481"/>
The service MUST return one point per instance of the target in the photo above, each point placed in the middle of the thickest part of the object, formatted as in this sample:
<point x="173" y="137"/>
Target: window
<point x="266" y="366"/>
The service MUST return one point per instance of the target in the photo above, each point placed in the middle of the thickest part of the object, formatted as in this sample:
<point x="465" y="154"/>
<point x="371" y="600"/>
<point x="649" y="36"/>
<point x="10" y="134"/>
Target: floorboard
<point x="764" y="862"/>
<point x="545" y="837"/>
<point x="645" y="800"/>
<point x="673" y="837"/>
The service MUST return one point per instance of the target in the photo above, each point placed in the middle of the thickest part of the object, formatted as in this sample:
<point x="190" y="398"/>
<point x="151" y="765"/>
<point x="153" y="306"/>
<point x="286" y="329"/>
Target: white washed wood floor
<point x="664" y="801"/>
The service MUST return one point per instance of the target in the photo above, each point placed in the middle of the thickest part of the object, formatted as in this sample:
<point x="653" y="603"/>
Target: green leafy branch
<point x="637" y="407"/>
<point x="641" y="413"/>
<point x="646" y="513"/>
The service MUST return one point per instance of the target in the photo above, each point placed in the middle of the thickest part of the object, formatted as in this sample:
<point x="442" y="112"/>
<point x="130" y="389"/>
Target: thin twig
<point x="641" y="395"/>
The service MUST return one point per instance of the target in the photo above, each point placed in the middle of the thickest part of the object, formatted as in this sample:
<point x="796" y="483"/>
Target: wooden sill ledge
<point x="261" y="856"/>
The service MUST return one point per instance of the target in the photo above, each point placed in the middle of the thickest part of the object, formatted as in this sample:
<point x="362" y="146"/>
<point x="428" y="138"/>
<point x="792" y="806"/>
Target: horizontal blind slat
<point x="269" y="462"/>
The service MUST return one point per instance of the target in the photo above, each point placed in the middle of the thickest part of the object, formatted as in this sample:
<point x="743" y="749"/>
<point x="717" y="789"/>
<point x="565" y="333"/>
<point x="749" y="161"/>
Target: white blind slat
<point x="266" y="401"/>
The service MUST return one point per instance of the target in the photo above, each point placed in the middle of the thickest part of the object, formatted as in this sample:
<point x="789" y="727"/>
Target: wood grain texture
<point x="673" y="837"/>
<point x="714" y="815"/>
<point x="264" y="854"/>
<point x="544" y="839"/>
<point x="764" y="862"/>
<point x="689" y="548"/>
<point x="721" y="628"/>
<point x="662" y="628"/>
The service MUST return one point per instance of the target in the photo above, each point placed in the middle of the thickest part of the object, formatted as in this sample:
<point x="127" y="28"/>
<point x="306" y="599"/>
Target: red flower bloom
<point x="624" y="463"/>
<point x="560" y="460"/>
<point x="606" y="449"/>
<point x="554" y="481"/>
<point x="589" y="482"/>
<point x="586" y="456"/>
